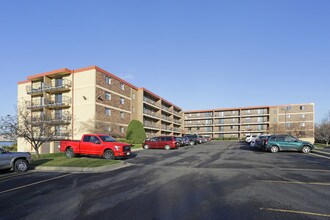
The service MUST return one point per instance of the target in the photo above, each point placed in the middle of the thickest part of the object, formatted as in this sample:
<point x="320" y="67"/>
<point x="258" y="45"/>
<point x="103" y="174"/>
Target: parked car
<point x="250" y="137"/>
<point x="260" y="141"/>
<point x="18" y="161"/>
<point x="96" y="144"/>
<point x="277" y="143"/>
<point x="194" y="138"/>
<point x="162" y="142"/>
<point x="186" y="140"/>
<point x="181" y="141"/>
<point x="253" y="142"/>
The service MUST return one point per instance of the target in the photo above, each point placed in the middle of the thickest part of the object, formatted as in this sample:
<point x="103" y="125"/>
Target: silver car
<point x="18" y="161"/>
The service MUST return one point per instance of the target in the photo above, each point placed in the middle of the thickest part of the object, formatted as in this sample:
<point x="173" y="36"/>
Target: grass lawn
<point x="60" y="160"/>
<point x="137" y="146"/>
<point x="318" y="145"/>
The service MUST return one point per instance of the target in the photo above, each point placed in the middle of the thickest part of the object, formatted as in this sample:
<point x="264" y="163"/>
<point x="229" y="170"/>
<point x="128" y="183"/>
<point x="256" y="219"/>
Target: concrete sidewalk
<point x="107" y="168"/>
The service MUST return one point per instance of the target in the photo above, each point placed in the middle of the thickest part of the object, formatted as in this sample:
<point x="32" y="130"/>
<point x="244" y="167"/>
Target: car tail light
<point x="266" y="141"/>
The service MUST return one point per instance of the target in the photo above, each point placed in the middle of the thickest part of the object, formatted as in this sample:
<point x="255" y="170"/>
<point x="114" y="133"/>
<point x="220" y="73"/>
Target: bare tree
<point x="35" y="130"/>
<point x="276" y="129"/>
<point x="322" y="130"/>
<point x="100" y="127"/>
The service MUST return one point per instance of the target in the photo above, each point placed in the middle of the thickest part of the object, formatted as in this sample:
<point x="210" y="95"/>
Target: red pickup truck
<point x="96" y="144"/>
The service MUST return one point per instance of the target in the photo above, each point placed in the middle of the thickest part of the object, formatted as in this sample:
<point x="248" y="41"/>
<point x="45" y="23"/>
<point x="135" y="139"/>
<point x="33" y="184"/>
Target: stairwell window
<point x="107" y="96"/>
<point x="122" y="101"/>
<point x="122" y="86"/>
<point x="108" y="80"/>
<point x="108" y="111"/>
<point x="302" y="107"/>
<point x="122" y="115"/>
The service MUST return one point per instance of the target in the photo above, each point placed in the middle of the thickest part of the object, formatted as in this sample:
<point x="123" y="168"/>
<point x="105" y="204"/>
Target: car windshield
<point x="106" y="138"/>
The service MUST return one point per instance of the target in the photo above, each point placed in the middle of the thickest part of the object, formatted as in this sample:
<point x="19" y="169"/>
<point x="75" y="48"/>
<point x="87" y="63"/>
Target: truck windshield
<point x="106" y="138"/>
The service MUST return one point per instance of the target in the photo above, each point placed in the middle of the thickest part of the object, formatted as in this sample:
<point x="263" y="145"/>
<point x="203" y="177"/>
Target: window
<point x="233" y="120"/>
<point x="222" y="128"/>
<point x="288" y="125"/>
<point x="108" y="80"/>
<point x="122" y="101"/>
<point x="108" y="111"/>
<point x="122" y="130"/>
<point x="122" y="86"/>
<point x="260" y="127"/>
<point x="58" y="82"/>
<point x="248" y="111"/>
<point x="302" y="124"/>
<point x="288" y="116"/>
<point x="248" y="119"/>
<point x="303" y="116"/>
<point x="107" y="96"/>
<point x="58" y="98"/>
<point x="248" y="127"/>
<point x="133" y="109"/>
<point x="302" y="107"/>
<point x="86" y="138"/>
<point x="288" y="108"/>
<point x="231" y="127"/>
<point x="109" y="129"/>
<point x="133" y="96"/>
<point x="221" y="113"/>
<point x="189" y="129"/>
<point x="198" y="128"/>
<point x="122" y="115"/>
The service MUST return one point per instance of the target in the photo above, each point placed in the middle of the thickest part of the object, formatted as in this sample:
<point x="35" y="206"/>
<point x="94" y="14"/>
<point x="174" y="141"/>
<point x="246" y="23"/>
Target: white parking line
<point x="296" y="212"/>
<point x="32" y="184"/>
<point x="317" y="155"/>
<point x="296" y="182"/>
<point x="322" y="152"/>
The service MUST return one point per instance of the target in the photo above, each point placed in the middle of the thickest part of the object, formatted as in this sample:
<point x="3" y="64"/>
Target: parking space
<point x="216" y="180"/>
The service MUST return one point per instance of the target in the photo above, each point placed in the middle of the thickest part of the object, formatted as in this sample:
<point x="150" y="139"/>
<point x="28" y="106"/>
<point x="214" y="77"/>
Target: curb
<point x="101" y="169"/>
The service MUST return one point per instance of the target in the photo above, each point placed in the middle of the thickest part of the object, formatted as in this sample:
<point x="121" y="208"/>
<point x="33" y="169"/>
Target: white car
<point x="250" y="137"/>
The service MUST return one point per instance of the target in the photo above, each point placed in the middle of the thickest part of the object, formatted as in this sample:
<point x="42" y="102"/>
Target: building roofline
<point x="157" y="96"/>
<point x="244" y="108"/>
<point x="62" y="70"/>
<point x="23" y="82"/>
<point x="105" y="72"/>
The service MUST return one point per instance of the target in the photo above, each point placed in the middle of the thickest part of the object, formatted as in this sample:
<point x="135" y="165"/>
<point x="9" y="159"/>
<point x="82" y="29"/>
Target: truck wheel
<point x="146" y="147"/>
<point x="21" y="165"/>
<point x="69" y="152"/>
<point x="108" y="154"/>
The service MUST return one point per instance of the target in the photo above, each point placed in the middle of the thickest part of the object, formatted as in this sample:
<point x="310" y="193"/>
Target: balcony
<point x="166" y="128"/>
<point x="150" y="113"/>
<point x="60" y="135"/>
<point x="34" y="90"/>
<point x="177" y="122"/>
<point x="151" y="102"/>
<point x="166" y="109"/>
<point x="54" y="119"/>
<point x="167" y="119"/>
<point x="35" y="104"/>
<point x="58" y="86"/>
<point x="58" y="103"/>
<point x="150" y="125"/>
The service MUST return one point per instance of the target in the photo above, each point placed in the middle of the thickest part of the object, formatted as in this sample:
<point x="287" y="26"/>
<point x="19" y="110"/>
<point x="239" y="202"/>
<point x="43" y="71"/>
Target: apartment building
<point x="73" y="101"/>
<point x="297" y="119"/>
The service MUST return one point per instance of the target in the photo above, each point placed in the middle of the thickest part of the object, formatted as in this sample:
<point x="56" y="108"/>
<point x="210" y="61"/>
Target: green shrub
<point x="135" y="132"/>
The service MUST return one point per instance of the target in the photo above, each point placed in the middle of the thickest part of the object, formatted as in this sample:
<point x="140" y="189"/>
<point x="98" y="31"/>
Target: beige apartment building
<point x="72" y="101"/>
<point x="296" y="119"/>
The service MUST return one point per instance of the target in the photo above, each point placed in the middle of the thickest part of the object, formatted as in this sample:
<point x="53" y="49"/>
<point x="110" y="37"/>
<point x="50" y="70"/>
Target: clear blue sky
<point x="196" y="54"/>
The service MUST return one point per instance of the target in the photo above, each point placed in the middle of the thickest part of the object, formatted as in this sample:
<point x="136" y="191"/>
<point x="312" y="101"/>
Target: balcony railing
<point x="58" y="103"/>
<point x="150" y="113"/>
<point x="150" y="101"/>
<point x="53" y="119"/>
<point x="166" y="118"/>
<point x="151" y="125"/>
<point x="35" y="104"/>
<point x="166" y="128"/>
<point x="166" y="109"/>
<point x="55" y="86"/>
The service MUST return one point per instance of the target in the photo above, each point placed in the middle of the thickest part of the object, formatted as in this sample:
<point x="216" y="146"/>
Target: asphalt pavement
<point x="217" y="180"/>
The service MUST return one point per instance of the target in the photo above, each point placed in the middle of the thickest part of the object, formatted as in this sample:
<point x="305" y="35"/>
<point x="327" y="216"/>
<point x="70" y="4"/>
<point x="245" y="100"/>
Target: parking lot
<point x="216" y="180"/>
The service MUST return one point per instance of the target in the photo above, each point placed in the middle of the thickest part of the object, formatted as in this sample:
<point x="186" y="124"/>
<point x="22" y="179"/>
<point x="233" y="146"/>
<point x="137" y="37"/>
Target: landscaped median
<point x="59" y="162"/>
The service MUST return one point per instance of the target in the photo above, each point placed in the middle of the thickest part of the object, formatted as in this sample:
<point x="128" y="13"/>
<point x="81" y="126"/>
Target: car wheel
<point x="167" y="147"/>
<point x="274" y="149"/>
<point x="109" y="155"/>
<point x="146" y="147"/>
<point x="69" y="152"/>
<point x="306" y="149"/>
<point x="21" y="165"/>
